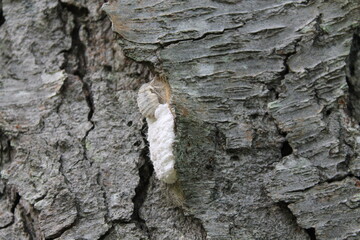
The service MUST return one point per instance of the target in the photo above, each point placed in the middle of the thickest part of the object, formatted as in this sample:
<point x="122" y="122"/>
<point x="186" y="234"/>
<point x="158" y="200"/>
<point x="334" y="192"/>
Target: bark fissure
<point x="8" y="225"/>
<point x="9" y="149"/>
<point x="77" y="51"/>
<point x="353" y="56"/>
<point x="198" y="222"/>
<point x="311" y="232"/>
<point x="76" y="202"/>
<point x="340" y="178"/>
<point x="75" y="65"/>
<point x="28" y="228"/>
<point x="352" y="95"/>
<point x="319" y="30"/>
<point x="215" y="33"/>
<point x="145" y="172"/>
<point x="98" y="181"/>
<point x="77" y="11"/>
<point x="351" y="79"/>
<point x="287" y="56"/>
<point x="5" y="149"/>
<point x="273" y="86"/>
<point x="57" y="235"/>
<point x="78" y="48"/>
<point x="2" y="18"/>
<point x="284" y="207"/>
<point x="28" y="217"/>
<point x="1" y="151"/>
<point x="286" y="149"/>
<point x="15" y="203"/>
<point x="61" y="170"/>
<point x="107" y="233"/>
<point x="90" y="103"/>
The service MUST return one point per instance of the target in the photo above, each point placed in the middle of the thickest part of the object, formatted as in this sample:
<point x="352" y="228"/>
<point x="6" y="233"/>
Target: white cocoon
<point x="161" y="137"/>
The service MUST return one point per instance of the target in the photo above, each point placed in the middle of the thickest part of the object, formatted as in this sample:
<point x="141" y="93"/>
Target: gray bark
<point x="267" y="119"/>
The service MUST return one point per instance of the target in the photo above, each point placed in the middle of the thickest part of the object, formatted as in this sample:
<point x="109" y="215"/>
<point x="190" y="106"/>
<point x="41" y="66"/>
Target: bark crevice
<point x="352" y="78"/>
<point x="15" y="203"/>
<point x="6" y="150"/>
<point x="215" y="33"/>
<point x="353" y="56"/>
<point x="284" y="207"/>
<point x="61" y="231"/>
<point x="29" y="218"/>
<point x="78" y="48"/>
<point x="76" y="203"/>
<point x="286" y="149"/>
<point x="2" y="17"/>
<point x="77" y="11"/>
<point x="61" y="170"/>
<point x="90" y="103"/>
<point x="77" y="53"/>
<point x="15" y="200"/>
<point x="107" y="233"/>
<point x="103" y="190"/>
<point x="339" y="179"/>
<point x="311" y="232"/>
<point x="146" y="170"/>
<point x="287" y="56"/>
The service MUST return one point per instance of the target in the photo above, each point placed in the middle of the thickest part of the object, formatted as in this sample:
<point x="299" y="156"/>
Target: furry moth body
<point x="161" y="134"/>
<point x="161" y="137"/>
<point x="147" y="100"/>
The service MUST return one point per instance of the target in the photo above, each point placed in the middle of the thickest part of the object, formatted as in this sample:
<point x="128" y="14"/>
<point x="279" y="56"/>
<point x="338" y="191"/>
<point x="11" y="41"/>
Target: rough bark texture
<point x="267" y="119"/>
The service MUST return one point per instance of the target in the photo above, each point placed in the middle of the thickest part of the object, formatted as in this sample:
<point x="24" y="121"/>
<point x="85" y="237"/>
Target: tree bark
<point x="265" y="95"/>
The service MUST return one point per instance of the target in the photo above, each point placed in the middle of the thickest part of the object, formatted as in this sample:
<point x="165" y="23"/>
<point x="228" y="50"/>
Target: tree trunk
<point x="265" y="96"/>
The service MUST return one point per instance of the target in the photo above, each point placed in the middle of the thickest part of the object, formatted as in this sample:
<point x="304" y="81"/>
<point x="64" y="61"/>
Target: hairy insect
<point x="161" y="137"/>
<point x="147" y="100"/>
<point x="153" y="102"/>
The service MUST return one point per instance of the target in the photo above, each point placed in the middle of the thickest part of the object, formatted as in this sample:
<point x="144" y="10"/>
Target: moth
<point x="149" y="98"/>
<point x="161" y="137"/>
<point x="153" y="102"/>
